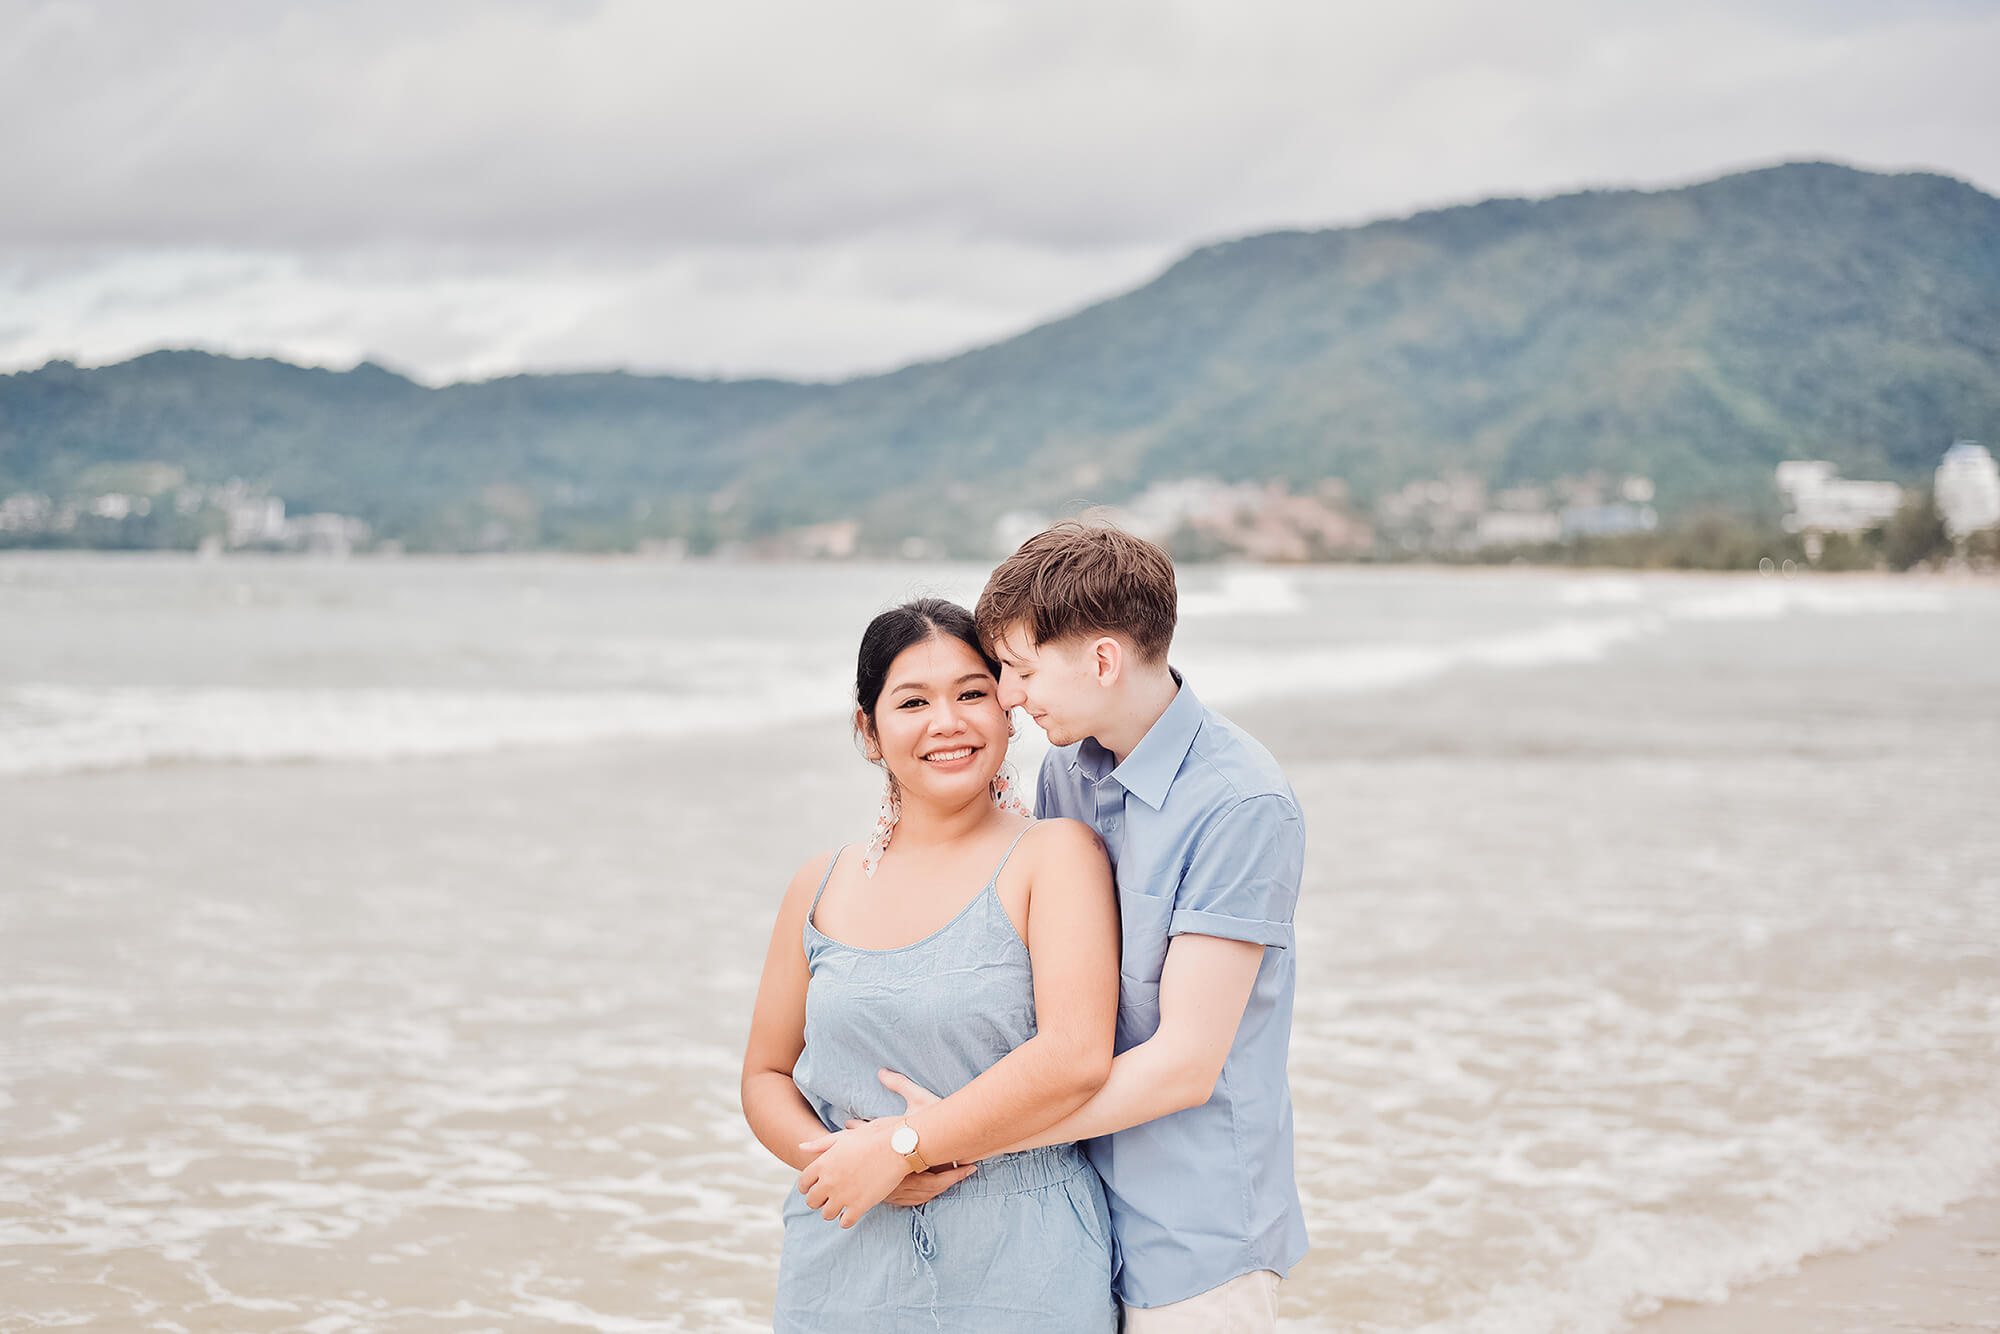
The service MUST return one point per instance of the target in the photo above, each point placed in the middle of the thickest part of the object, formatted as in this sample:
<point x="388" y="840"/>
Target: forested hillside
<point x="1696" y="336"/>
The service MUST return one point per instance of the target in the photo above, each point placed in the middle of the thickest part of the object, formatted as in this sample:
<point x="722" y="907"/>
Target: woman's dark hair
<point x="897" y="629"/>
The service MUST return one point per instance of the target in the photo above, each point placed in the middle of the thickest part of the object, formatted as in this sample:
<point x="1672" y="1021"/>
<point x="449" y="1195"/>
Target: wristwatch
<point x="904" y="1141"/>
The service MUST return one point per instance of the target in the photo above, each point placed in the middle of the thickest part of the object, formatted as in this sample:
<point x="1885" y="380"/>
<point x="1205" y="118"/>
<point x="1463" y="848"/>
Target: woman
<point x="975" y="950"/>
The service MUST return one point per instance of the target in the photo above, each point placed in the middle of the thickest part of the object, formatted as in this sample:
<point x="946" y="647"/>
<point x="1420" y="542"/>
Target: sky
<point x="813" y="190"/>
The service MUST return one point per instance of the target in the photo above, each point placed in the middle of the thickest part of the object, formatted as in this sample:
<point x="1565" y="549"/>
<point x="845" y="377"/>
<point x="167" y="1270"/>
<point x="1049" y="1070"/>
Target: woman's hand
<point x="855" y="1170"/>
<point x="916" y="1187"/>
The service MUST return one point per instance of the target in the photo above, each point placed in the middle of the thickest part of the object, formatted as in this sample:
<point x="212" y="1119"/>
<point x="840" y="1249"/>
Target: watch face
<point x="904" y="1140"/>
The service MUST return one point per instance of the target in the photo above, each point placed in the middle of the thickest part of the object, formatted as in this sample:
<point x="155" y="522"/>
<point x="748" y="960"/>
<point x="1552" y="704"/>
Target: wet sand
<point x="1933" y="1274"/>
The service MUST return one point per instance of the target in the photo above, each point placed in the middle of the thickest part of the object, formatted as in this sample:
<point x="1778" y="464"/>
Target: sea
<point x="378" y="937"/>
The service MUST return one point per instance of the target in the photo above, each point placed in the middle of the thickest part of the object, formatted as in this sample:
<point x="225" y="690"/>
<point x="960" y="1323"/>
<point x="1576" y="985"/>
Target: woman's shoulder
<point x="1061" y="840"/>
<point x="812" y="873"/>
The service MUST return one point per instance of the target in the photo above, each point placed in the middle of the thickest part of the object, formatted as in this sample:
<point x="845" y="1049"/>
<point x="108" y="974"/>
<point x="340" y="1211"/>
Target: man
<point x="1192" y="1132"/>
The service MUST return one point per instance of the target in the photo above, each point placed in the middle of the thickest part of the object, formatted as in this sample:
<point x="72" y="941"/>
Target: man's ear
<point x="1107" y="657"/>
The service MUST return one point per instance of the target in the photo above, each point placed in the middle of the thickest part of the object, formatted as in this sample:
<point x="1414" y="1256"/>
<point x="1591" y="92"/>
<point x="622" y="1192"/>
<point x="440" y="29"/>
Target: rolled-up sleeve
<point x="1243" y="880"/>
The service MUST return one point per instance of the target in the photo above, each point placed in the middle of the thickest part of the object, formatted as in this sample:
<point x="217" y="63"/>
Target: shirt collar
<point x="1149" y="770"/>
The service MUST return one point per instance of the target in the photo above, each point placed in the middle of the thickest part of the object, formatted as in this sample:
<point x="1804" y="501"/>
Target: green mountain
<point x="1695" y="335"/>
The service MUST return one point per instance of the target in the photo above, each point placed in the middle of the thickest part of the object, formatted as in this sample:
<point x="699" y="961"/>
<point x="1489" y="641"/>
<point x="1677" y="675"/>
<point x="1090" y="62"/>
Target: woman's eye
<point x="973" y="694"/>
<point x="912" y="700"/>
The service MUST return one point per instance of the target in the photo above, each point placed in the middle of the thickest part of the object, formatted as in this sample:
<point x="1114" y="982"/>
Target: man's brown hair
<point x="1083" y="579"/>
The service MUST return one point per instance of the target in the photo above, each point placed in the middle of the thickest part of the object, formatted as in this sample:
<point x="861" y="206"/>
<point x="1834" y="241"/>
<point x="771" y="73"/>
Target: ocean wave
<point x="1607" y="589"/>
<point x="1360" y="668"/>
<point x="50" y="729"/>
<point x="1641" y="1259"/>
<point x="1769" y="599"/>
<point x="53" y="729"/>
<point x="1246" y="593"/>
<point x="635" y="688"/>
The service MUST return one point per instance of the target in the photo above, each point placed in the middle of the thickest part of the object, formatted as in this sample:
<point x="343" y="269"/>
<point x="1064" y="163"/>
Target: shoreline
<point x="1929" y="1275"/>
<point x="559" y="554"/>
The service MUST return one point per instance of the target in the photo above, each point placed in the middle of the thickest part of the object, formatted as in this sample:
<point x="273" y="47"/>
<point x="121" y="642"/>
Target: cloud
<point x="867" y="304"/>
<point x="818" y="189"/>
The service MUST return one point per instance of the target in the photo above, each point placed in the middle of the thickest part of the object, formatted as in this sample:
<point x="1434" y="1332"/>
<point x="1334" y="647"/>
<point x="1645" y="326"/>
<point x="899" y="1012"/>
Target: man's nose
<point x="1010" y="693"/>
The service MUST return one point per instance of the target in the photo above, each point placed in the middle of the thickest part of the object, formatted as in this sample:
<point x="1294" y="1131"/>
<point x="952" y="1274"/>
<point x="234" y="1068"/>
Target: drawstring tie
<point x="923" y="1248"/>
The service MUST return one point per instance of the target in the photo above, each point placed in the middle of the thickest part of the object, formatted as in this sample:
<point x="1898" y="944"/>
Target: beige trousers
<point x="1246" y="1304"/>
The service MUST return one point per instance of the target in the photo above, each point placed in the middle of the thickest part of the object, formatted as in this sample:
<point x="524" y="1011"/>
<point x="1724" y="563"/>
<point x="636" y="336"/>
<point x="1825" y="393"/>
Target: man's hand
<point x="914" y="1095"/>
<point x="923" y="1187"/>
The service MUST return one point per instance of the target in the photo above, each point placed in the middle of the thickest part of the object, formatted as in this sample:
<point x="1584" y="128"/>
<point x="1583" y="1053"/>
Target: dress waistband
<point x="1030" y="1169"/>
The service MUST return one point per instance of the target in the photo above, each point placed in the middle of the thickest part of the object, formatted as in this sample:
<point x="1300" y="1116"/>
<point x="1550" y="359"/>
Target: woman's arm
<point x="777" y="1112"/>
<point x="1072" y="938"/>
<point x="1204" y="988"/>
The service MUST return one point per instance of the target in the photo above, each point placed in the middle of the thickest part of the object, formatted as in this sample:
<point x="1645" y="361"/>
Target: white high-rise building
<point x="1822" y="501"/>
<point x="1968" y="489"/>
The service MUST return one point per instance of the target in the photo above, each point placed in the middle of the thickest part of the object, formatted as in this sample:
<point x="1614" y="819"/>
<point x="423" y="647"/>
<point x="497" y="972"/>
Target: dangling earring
<point x="885" y="822"/>
<point x="1007" y="783"/>
<point x="1007" y="791"/>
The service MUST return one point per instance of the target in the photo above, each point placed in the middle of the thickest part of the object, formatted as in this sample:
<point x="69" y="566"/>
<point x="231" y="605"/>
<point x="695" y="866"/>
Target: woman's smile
<point x="952" y="758"/>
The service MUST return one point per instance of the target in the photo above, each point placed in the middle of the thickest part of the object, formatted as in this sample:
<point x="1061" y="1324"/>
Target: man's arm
<point x="1204" y="987"/>
<point x="1235" y="900"/>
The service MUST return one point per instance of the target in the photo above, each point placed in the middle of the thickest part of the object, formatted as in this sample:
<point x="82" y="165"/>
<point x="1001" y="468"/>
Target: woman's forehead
<point x="941" y="658"/>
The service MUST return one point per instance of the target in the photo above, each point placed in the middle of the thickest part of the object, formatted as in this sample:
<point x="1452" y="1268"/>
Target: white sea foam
<point x="1772" y="598"/>
<point x="1363" y="668"/>
<point x="739" y="685"/>
<point x="47" y="729"/>
<point x="1254" y="592"/>
<point x="1641" y="1259"/>
<point x="611" y="687"/>
<point x="1605" y="590"/>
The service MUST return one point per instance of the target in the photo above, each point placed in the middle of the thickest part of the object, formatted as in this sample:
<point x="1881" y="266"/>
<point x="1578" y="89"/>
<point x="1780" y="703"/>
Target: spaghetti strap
<point x="831" y="862"/>
<point x="995" y="877"/>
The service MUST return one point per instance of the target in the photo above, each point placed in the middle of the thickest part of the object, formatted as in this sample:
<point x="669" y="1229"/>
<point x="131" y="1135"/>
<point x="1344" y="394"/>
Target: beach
<point x="1931" y="1275"/>
<point x="379" y="939"/>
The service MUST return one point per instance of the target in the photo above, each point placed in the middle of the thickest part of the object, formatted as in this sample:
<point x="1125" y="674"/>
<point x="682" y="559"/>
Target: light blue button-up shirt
<point x="1205" y="839"/>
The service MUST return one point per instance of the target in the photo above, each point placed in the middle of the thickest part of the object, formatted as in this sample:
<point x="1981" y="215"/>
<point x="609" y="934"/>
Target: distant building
<point x="1968" y="489"/>
<point x="1518" y="528"/>
<point x="837" y="540"/>
<point x="1613" y="520"/>
<point x="1437" y="514"/>
<point x="250" y="516"/>
<point x="118" y="505"/>
<point x="325" y="534"/>
<point x="1165" y="507"/>
<point x="1820" y="500"/>
<point x="1279" y="526"/>
<point x="25" y="512"/>
<point x="1261" y="521"/>
<point x="653" y="548"/>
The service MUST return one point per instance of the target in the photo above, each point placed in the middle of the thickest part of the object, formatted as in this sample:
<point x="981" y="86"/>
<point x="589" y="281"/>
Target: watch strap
<point x="915" y="1157"/>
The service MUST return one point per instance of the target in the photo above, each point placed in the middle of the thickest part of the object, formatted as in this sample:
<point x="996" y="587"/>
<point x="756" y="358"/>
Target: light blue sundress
<point x="1024" y="1243"/>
